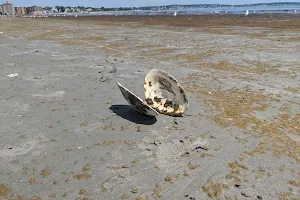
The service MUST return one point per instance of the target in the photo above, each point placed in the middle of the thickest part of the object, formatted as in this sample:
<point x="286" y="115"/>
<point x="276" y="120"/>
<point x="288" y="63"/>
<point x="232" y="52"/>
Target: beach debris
<point x="106" y="72"/>
<point x="113" y="70"/>
<point x="103" y="79"/>
<point x="135" y="190"/>
<point x="137" y="103"/>
<point x="164" y="93"/>
<point x="12" y="75"/>
<point x="1" y="32"/>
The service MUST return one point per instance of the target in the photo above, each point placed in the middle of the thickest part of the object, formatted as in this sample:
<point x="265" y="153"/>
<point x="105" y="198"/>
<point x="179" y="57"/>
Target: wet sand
<point x="67" y="132"/>
<point x="287" y="21"/>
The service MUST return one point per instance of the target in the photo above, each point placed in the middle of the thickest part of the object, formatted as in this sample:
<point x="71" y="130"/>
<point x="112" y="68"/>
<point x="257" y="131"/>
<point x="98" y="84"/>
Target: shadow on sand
<point x="127" y="112"/>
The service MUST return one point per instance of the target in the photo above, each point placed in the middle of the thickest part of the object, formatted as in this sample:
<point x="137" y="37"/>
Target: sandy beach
<point x="66" y="131"/>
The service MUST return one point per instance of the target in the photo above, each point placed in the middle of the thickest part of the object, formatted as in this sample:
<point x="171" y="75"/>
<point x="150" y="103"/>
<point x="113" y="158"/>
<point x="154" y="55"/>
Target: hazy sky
<point x="124" y="3"/>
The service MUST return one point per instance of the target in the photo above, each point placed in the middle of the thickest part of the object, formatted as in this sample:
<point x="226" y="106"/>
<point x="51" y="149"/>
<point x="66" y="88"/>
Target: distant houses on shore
<point x="35" y="10"/>
<point x="8" y="9"/>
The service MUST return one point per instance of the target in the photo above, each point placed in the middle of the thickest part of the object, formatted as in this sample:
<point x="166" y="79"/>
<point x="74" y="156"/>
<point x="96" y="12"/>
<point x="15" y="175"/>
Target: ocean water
<point x="240" y="10"/>
<point x="293" y="9"/>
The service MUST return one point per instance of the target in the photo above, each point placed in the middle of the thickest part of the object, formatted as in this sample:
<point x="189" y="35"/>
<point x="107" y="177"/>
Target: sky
<point x="132" y="3"/>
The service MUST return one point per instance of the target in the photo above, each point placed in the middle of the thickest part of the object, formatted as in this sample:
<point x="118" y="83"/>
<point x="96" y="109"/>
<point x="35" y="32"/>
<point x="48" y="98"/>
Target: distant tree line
<point x="47" y="8"/>
<point x="175" y="6"/>
<point x="60" y="8"/>
<point x="82" y="8"/>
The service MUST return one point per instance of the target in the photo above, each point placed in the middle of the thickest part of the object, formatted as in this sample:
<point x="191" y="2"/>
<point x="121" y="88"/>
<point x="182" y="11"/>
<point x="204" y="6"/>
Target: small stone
<point x="245" y="194"/>
<point x="168" y="179"/>
<point x="135" y="190"/>
<point x="114" y="70"/>
<point x="122" y="175"/>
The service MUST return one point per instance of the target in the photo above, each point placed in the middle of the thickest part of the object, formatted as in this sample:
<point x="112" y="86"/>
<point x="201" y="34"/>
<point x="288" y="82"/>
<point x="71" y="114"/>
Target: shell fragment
<point x="137" y="103"/>
<point x="164" y="93"/>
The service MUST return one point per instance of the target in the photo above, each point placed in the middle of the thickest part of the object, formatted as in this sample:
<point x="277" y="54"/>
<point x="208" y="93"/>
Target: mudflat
<point x="66" y="132"/>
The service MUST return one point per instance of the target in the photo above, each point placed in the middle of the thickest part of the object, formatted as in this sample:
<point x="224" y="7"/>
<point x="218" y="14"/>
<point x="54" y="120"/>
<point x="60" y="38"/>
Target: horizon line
<point x="290" y="2"/>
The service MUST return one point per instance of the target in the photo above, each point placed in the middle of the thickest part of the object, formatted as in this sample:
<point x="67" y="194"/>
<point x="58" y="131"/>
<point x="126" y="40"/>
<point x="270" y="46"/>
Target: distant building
<point x="34" y="10"/>
<point x="8" y="9"/>
<point x="1" y="10"/>
<point x="20" y="10"/>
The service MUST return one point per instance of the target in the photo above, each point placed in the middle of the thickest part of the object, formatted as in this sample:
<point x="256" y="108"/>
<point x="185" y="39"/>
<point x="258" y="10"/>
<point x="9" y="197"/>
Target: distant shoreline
<point x="179" y="13"/>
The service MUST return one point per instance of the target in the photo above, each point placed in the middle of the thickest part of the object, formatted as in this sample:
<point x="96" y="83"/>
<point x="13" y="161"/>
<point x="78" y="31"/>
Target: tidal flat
<point x="66" y="132"/>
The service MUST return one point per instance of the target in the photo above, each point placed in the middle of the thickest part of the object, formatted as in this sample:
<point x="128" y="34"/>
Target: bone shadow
<point x="128" y="113"/>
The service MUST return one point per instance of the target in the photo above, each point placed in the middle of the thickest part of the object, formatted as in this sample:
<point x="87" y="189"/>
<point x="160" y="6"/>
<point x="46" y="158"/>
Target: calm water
<point x="295" y="9"/>
<point x="241" y="10"/>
